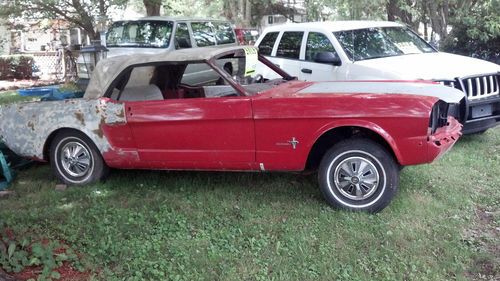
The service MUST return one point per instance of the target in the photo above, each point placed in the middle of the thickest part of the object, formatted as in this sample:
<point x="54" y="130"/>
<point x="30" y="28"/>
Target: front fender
<point x="336" y="124"/>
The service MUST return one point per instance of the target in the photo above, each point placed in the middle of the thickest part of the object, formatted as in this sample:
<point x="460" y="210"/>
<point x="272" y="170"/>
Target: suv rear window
<point x="142" y="34"/>
<point x="212" y="33"/>
<point x="224" y="33"/>
<point x="289" y="46"/>
<point x="203" y="33"/>
<point x="267" y="43"/>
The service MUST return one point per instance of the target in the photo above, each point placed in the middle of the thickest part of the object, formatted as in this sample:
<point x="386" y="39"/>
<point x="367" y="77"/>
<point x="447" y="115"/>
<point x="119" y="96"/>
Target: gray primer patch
<point x="447" y="94"/>
<point x="25" y="127"/>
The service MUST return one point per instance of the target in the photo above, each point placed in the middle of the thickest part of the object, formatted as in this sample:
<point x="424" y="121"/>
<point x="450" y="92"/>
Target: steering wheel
<point x="257" y="79"/>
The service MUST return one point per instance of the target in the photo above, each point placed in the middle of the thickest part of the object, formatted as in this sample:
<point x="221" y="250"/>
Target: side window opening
<point x="184" y="80"/>
<point x="200" y="80"/>
<point x="171" y="81"/>
<point x="138" y="86"/>
<point x="317" y="43"/>
<point x="267" y="43"/>
<point x="289" y="46"/>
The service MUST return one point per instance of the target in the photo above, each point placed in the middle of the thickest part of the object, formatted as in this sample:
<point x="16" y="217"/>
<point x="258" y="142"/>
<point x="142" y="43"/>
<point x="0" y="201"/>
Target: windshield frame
<point x="381" y="29"/>
<point x="235" y="84"/>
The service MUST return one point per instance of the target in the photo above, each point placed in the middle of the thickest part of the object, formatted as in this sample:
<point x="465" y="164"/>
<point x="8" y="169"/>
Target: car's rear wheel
<point x="75" y="159"/>
<point x="358" y="175"/>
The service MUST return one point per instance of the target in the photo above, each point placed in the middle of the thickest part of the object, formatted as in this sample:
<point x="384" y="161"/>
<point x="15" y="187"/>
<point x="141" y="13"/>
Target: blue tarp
<point x="51" y="93"/>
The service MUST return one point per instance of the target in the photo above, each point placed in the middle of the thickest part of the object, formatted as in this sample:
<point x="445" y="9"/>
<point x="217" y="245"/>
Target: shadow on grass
<point x="293" y="188"/>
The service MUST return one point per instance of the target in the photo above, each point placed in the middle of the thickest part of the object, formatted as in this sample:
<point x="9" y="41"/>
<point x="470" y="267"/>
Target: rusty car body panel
<point x="31" y="124"/>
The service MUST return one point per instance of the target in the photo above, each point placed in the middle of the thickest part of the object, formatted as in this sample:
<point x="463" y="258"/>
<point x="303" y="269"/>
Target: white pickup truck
<point x="377" y="50"/>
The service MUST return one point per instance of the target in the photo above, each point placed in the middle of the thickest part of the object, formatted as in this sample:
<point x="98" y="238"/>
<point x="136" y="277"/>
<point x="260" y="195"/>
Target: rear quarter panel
<point x="25" y="127"/>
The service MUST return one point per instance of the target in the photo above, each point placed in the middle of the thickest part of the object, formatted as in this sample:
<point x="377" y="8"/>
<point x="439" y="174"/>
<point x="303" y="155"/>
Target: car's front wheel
<point x="75" y="159"/>
<point x="358" y="175"/>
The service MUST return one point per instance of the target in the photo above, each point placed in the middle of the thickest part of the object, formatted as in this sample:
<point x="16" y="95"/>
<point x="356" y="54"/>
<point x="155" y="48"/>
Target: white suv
<point x="153" y="35"/>
<point x="375" y="50"/>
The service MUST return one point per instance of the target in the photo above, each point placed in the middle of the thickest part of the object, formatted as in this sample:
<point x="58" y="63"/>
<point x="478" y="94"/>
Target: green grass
<point x="12" y="96"/>
<point x="160" y="225"/>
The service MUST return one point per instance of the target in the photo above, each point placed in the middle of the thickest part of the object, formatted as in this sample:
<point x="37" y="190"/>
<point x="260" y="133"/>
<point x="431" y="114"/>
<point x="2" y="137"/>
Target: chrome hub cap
<point x="76" y="159"/>
<point x="356" y="178"/>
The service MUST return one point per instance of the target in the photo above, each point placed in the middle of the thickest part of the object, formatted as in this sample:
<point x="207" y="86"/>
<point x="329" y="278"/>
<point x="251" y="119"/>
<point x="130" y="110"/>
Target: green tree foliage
<point x="80" y="13"/>
<point x="475" y="23"/>
<point x="476" y="31"/>
<point x="362" y="9"/>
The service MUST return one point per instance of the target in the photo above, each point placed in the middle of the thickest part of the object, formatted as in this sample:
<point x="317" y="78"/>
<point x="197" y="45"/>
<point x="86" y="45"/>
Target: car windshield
<point x="379" y="42"/>
<point x="141" y="34"/>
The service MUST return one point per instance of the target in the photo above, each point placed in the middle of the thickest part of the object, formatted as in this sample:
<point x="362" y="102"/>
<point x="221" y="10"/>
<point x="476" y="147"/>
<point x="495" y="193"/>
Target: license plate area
<point x="481" y="111"/>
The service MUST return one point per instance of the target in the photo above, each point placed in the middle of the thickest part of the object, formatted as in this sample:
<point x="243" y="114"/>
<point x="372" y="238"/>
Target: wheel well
<point x="330" y="138"/>
<point x="48" y="142"/>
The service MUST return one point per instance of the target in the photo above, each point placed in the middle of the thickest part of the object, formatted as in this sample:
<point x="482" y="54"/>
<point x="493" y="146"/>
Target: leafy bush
<point x="19" y="253"/>
<point x="16" y="66"/>
<point x="69" y="87"/>
<point x="476" y="33"/>
<point x="6" y="70"/>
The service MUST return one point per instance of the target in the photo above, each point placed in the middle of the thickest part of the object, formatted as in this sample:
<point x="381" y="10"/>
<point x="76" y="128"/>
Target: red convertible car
<point x="192" y="110"/>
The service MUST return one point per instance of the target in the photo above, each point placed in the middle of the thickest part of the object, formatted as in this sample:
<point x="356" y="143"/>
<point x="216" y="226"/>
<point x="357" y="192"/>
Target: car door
<point x="196" y="133"/>
<point x="282" y="49"/>
<point x="287" y="54"/>
<point x="177" y="132"/>
<point x="310" y="70"/>
<point x="266" y="46"/>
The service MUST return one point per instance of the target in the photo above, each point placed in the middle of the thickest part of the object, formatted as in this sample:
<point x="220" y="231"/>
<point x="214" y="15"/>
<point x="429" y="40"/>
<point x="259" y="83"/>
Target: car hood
<point x="444" y="93"/>
<point x="430" y="66"/>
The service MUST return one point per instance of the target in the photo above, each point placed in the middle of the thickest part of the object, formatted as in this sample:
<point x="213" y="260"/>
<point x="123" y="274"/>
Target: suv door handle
<point x="277" y="65"/>
<point x="307" y="70"/>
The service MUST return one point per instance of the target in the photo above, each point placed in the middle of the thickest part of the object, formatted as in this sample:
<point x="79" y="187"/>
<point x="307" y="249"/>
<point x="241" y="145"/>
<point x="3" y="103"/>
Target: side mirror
<point x="328" y="57"/>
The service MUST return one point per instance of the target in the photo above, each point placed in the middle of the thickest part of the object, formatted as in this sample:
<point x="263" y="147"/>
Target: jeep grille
<point x="476" y="87"/>
<point x="481" y="86"/>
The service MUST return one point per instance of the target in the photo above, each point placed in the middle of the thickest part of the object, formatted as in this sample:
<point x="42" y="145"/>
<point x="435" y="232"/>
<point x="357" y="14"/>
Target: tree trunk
<point x="233" y="9"/>
<point x="248" y="13"/>
<point x="392" y="10"/>
<point x="102" y="7"/>
<point x="241" y="12"/>
<point x="438" y="13"/>
<point x="91" y="33"/>
<point x="395" y="12"/>
<point x="152" y="7"/>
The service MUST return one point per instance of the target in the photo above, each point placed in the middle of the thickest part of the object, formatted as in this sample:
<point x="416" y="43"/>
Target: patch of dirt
<point x="484" y="236"/>
<point x="6" y="277"/>
<point x="68" y="273"/>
